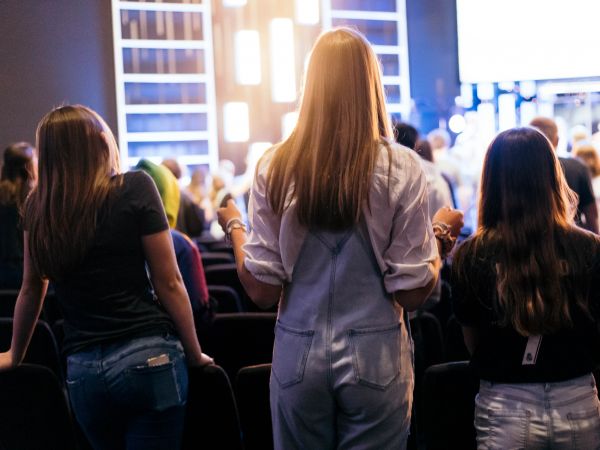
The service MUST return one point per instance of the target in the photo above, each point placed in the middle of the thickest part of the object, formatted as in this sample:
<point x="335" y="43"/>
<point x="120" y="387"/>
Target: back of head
<point x="525" y="209"/>
<point x="406" y="134"/>
<point x="423" y="148"/>
<point x="330" y="155"/>
<point x="77" y="157"/>
<point x="173" y="166"/>
<point x="18" y="173"/>
<point x="589" y="155"/>
<point x="439" y="139"/>
<point x="548" y="128"/>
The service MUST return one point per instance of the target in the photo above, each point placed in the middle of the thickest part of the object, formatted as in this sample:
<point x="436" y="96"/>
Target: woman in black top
<point x="526" y="288"/>
<point x="93" y="232"/>
<point x="16" y="180"/>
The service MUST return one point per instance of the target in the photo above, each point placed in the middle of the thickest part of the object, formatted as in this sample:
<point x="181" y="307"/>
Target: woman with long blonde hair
<point x="341" y="238"/>
<point x="92" y="231"/>
<point x="526" y="288"/>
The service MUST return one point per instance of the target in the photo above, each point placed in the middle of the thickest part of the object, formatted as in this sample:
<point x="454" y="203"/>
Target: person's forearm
<point x="174" y="298"/>
<point x="27" y="310"/>
<point x="263" y="294"/>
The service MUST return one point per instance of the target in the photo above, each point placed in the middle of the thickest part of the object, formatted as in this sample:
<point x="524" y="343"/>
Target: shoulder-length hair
<point x="18" y="174"/>
<point x="588" y="153"/>
<point x="525" y="210"/>
<point x="326" y="164"/>
<point x="77" y="157"/>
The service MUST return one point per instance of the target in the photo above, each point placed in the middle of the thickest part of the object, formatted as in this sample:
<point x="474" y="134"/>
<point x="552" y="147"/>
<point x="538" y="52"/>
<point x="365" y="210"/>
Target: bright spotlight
<point x="457" y="123"/>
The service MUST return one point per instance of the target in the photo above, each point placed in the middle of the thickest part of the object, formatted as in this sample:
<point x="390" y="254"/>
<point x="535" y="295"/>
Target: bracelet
<point x="233" y="224"/>
<point x="442" y="232"/>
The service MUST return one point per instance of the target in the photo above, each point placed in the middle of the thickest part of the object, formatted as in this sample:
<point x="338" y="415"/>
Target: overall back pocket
<point x="290" y="354"/>
<point x="376" y="355"/>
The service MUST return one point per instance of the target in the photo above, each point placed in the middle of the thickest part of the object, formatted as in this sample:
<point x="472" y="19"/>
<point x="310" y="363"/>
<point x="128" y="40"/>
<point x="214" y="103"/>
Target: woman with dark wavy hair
<point x="16" y="180"/>
<point x="103" y="240"/>
<point x="526" y="288"/>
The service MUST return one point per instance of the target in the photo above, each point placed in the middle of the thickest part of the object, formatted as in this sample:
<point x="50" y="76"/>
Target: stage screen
<point x="516" y="40"/>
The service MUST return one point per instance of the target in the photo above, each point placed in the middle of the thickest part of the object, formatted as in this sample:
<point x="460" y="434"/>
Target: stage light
<point x="247" y="57"/>
<point x="485" y="91"/>
<point x="528" y="111"/>
<point x="288" y="122"/>
<point x="507" y="113"/>
<point x="307" y="12"/>
<point x="234" y="3"/>
<point x="457" y="123"/>
<point x="236" y="122"/>
<point x="283" y="62"/>
<point x="466" y="95"/>
<point x="527" y="89"/>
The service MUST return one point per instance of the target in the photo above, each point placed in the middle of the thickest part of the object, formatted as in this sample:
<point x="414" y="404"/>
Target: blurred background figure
<point x="577" y="176"/>
<point x="17" y="178"/>
<point x="190" y="218"/>
<point x="589" y="155"/>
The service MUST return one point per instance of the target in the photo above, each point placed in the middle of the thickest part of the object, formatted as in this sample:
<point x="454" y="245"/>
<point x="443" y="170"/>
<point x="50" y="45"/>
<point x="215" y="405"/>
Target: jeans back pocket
<point x="290" y="354"/>
<point x="155" y="388"/>
<point x="376" y="355"/>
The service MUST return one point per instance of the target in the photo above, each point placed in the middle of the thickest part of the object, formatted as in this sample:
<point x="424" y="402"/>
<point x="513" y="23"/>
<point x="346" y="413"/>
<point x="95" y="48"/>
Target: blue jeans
<point x="124" y="399"/>
<point x="561" y="415"/>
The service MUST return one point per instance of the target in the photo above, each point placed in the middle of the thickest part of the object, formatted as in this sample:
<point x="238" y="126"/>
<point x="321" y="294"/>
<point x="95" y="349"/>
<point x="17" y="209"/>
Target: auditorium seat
<point x="212" y="258"/>
<point x="211" y="420"/>
<point x="42" y="350"/>
<point x="449" y="391"/>
<point x="252" y="395"/>
<point x="456" y="350"/>
<point x="239" y="339"/>
<point x="8" y="298"/>
<point x="228" y="300"/>
<point x="33" y="411"/>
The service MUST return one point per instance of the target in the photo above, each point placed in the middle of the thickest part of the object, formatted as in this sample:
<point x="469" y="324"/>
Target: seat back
<point x="239" y="339"/>
<point x="456" y="350"/>
<point x="42" y="349"/>
<point x="252" y="395"/>
<point x="449" y="400"/>
<point x="33" y="411"/>
<point x="212" y="258"/>
<point x="8" y="298"/>
<point x="228" y="300"/>
<point x="211" y="419"/>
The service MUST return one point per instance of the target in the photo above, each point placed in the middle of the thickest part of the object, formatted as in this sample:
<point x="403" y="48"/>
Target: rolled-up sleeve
<point x="263" y="254"/>
<point x="412" y="246"/>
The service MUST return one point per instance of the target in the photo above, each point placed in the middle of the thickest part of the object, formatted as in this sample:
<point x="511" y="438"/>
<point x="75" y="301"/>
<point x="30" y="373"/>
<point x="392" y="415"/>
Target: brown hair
<point x="525" y="210"/>
<point x="18" y="174"/>
<point x="328" y="160"/>
<point x="77" y="157"/>
<point x="588" y="153"/>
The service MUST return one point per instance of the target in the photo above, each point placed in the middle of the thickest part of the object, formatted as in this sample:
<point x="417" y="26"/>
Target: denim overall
<point x="342" y="374"/>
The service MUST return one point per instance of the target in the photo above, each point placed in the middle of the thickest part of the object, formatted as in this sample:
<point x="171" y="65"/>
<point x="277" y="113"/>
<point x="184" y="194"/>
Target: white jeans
<point x="562" y="415"/>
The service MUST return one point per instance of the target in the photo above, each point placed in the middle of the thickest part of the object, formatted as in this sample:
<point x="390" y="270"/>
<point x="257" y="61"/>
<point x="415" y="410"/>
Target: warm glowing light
<point x="247" y="57"/>
<point x="307" y="12"/>
<point x="236" y="122"/>
<point x="283" y="62"/>
<point x="288" y="122"/>
<point x="457" y="123"/>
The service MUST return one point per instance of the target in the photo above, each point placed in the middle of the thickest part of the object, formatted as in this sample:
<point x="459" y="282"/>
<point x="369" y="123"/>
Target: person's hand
<point x="227" y="213"/>
<point x="201" y="361"/>
<point x="451" y="217"/>
<point x="6" y="360"/>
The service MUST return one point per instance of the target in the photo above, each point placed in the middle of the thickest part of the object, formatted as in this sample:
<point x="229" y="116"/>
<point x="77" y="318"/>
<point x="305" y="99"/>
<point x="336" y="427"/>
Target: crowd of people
<point x="348" y="224"/>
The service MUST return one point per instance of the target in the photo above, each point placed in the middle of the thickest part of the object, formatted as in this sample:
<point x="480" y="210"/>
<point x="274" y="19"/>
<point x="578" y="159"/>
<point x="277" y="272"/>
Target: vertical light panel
<point x="487" y="121"/>
<point x="507" y="112"/>
<point x="528" y="112"/>
<point x="247" y="57"/>
<point x="307" y="12"/>
<point x="236" y="122"/>
<point x="283" y="61"/>
<point x="234" y="3"/>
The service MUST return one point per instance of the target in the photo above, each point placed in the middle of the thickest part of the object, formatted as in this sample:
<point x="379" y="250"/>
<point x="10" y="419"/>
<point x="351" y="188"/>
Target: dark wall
<point x="53" y="52"/>
<point x="433" y="59"/>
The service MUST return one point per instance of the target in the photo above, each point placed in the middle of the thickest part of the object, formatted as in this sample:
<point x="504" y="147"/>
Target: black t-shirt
<point x="578" y="178"/>
<point x="108" y="296"/>
<point x="498" y="357"/>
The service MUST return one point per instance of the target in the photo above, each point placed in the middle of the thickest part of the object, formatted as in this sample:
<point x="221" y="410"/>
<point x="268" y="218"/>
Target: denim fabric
<point x="563" y="415"/>
<point x="342" y="374"/>
<point x="122" y="402"/>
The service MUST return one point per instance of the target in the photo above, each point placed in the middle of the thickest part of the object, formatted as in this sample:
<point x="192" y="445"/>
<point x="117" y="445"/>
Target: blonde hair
<point x="327" y="162"/>
<point x="77" y="157"/>
<point x="588" y="153"/>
